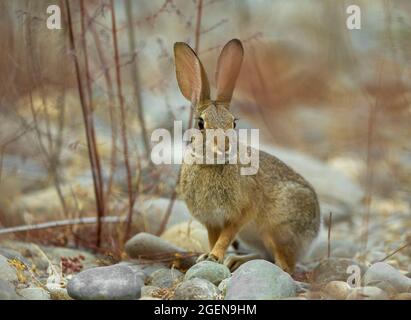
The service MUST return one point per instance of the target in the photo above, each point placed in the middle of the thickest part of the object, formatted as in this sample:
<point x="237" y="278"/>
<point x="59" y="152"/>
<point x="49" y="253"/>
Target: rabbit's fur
<point x="276" y="205"/>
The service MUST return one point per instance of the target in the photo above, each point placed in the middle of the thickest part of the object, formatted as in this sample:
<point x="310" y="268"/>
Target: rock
<point x="260" y="280"/>
<point x="116" y="282"/>
<point x="211" y="271"/>
<point x="338" y="290"/>
<point x="146" y="268"/>
<point x="148" y="291"/>
<point x="196" y="289"/>
<point x="7" y="291"/>
<point x="223" y="286"/>
<point x="34" y="294"/>
<point x="147" y="245"/>
<point x="191" y="236"/>
<point x="7" y="272"/>
<point x="383" y="276"/>
<point x="333" y="269"/>
<point x="164" y="278"/>
<point x="367" y="293"/>
<point x="151" y="213"/>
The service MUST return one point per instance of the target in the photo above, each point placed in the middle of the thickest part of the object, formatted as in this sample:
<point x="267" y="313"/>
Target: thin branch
<point x="123" y="117"/>
<point x="61" y="223"/>
<point x="90" y="135"/>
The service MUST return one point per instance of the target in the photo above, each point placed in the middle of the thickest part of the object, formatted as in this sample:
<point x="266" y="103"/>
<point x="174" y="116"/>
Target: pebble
<point x="260" y="280"/>
<point x="164" y="278"/>
<point x="333" y="269"/>
<point x="196" y="289"/>
<point x="211" y="271"/>
<point x="385" y="277"/>
<point x="145" y="244"/>
<point x="338" y="290"/>
<point x="116" y="282"/>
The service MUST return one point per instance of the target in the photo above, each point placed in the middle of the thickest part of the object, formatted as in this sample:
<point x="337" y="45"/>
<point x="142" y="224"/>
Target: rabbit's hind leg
<point x="283" y="248"/>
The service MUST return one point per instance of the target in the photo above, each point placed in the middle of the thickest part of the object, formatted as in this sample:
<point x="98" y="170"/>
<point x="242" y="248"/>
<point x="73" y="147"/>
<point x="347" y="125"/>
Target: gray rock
<point x="7" y="291"/>
<point x="385" y="277"/>
<point x="196" y="289"/>
<point x="211" y="271"/>
<point x="260" y="280"/>
<point x="117" y="282"/>
<point x="146" y="268"/>
<point x="34" y="294"/>
<point x="223" y="286"/>
<point x="7" y="272"/>
<point x="149" y="246"/>
<point x="164" y="278"/>
<point x="333" y="269"/>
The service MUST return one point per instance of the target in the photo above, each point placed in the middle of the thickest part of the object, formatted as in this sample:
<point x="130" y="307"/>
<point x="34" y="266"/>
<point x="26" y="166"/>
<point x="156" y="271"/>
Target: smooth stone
<point x="333" y="269"/>
<point x="192" y="236"/>
<point x="381" y="275"/>
<point x="34" y="294"/>
<point x="260" y="280"/>
<point x="116" y="282"/>
<point x="145" y="245"/>
<point x="7" y="272"/>
<point x="146" y="268"/>
<point x="223" y="286"/>
<point x="196" y="289"/>
<point x="211" y="271"/>
<point x="367" y="293"/>
<point x="165" y="278"/>
<point x="338" y="290"/>
<point x="7" y="291"/>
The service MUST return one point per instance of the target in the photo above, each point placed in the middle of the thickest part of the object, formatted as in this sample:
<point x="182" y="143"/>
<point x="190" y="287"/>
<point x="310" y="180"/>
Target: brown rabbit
<point x="276" y="204"/>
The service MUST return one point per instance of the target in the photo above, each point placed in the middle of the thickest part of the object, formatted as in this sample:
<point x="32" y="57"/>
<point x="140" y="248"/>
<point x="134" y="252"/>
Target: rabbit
<point x="277" y="206"/>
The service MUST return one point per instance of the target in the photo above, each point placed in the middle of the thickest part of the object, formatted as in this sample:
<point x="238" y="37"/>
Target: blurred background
<point x="78" y="105"/>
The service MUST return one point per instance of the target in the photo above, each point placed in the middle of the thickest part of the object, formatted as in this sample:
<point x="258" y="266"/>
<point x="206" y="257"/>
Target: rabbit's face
<point x="216" y="117"/>
<point x="193" y="82"/>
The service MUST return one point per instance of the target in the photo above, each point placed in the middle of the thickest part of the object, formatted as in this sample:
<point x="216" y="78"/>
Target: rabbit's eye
<point x="235" y="123"/>
<point x="201" y="123"/>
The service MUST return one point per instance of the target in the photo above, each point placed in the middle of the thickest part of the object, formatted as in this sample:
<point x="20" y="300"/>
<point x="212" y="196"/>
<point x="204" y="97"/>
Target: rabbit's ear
<point x="191" y="76"/>
<point x="228" y="68"/>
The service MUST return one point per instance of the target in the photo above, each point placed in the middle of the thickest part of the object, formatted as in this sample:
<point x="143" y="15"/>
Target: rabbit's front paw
<point x="208" y="257"/>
